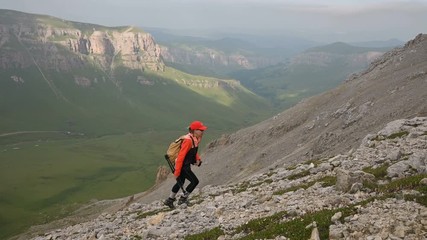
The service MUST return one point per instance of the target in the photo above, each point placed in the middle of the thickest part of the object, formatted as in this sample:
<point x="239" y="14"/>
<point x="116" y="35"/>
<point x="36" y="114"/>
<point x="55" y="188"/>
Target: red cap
<point x="197" y="125"/>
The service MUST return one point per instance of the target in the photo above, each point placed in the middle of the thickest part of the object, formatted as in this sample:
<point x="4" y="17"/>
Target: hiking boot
<point x="183" y="200"/>
<point x="169" y="202"/>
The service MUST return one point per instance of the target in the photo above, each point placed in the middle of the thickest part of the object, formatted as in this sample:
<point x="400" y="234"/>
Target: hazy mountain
<point x="219" y="54"/>
<point x="310" y="72"/>
<point x="282" y="69"/>
<point x="379" y="44"/>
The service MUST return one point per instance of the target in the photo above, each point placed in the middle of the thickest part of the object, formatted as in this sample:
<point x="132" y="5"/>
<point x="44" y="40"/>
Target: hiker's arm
<point x="185" y="147"/>
<point x="198" y="160"/>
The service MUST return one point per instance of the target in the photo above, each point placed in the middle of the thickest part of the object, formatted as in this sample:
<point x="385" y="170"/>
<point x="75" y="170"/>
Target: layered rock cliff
<point x="52" y="43"/>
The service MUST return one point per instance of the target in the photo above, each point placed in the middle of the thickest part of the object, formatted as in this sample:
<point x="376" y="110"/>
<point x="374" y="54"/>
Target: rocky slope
<point x="376" y="191"/>
<point x="393" y="87"/>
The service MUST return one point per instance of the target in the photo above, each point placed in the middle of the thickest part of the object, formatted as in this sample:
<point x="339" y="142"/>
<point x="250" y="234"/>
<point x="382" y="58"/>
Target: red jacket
<point x="186" y="145"/>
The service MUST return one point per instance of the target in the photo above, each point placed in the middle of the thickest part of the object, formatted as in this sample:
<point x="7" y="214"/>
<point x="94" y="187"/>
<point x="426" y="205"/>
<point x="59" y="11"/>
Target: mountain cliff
<point x="54" y="40"/>
<point x="346" y="164"/>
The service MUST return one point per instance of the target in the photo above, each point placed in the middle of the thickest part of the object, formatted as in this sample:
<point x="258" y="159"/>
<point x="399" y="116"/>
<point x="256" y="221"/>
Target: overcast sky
<point x="319" y="20"/>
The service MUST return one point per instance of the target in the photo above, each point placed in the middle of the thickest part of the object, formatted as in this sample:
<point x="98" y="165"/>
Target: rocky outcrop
<point x="136" y="50"/>
<point x="64" y="47"/>
<point x="358" y="208"/>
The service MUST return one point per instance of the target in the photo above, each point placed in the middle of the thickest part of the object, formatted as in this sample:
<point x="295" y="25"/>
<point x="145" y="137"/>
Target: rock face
<point x="296" y="190"/>
<point x="62" y="45"/>
<point x="137" y="50"/>
<point x="212" y="57"/>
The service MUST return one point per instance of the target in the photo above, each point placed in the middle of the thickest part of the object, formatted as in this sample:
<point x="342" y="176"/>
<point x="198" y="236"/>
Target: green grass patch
<point x="141" y="215"/>
<point x="241" y="187"/>
<point x="295" y="229"/>
<point x="411" y="182"/>
<point x="212" y="234"/>
<point x="398" y="135"/>
<point x="328" y="181"/>
<point x="272" y="226"/>
<point x="261" y="224"/>
<point x="325" y="182"/>
<point x="379" y="172"/>
<point x="299" y="175"/>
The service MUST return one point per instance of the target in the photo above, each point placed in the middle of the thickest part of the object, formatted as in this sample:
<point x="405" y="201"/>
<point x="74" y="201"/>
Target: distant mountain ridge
<point x="310" y="72"/>
<point x="388" y="43"/>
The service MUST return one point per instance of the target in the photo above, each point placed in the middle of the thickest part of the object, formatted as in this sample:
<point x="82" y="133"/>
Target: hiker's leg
<point x="194" y="181"/>
<point x="179" y="182"/>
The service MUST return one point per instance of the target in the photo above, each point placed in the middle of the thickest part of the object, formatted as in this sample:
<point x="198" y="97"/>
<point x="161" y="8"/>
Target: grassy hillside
<point x="105" y="109"/>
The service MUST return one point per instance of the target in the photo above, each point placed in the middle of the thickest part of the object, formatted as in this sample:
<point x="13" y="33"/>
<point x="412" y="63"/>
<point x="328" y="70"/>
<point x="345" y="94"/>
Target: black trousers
<point x="186" y="173"/>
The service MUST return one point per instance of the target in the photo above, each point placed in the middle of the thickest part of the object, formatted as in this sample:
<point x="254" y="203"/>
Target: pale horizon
<point x="323" y="21"/>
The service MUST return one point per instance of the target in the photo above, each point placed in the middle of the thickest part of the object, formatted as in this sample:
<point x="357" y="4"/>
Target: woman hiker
<point x="187" y="156"/>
